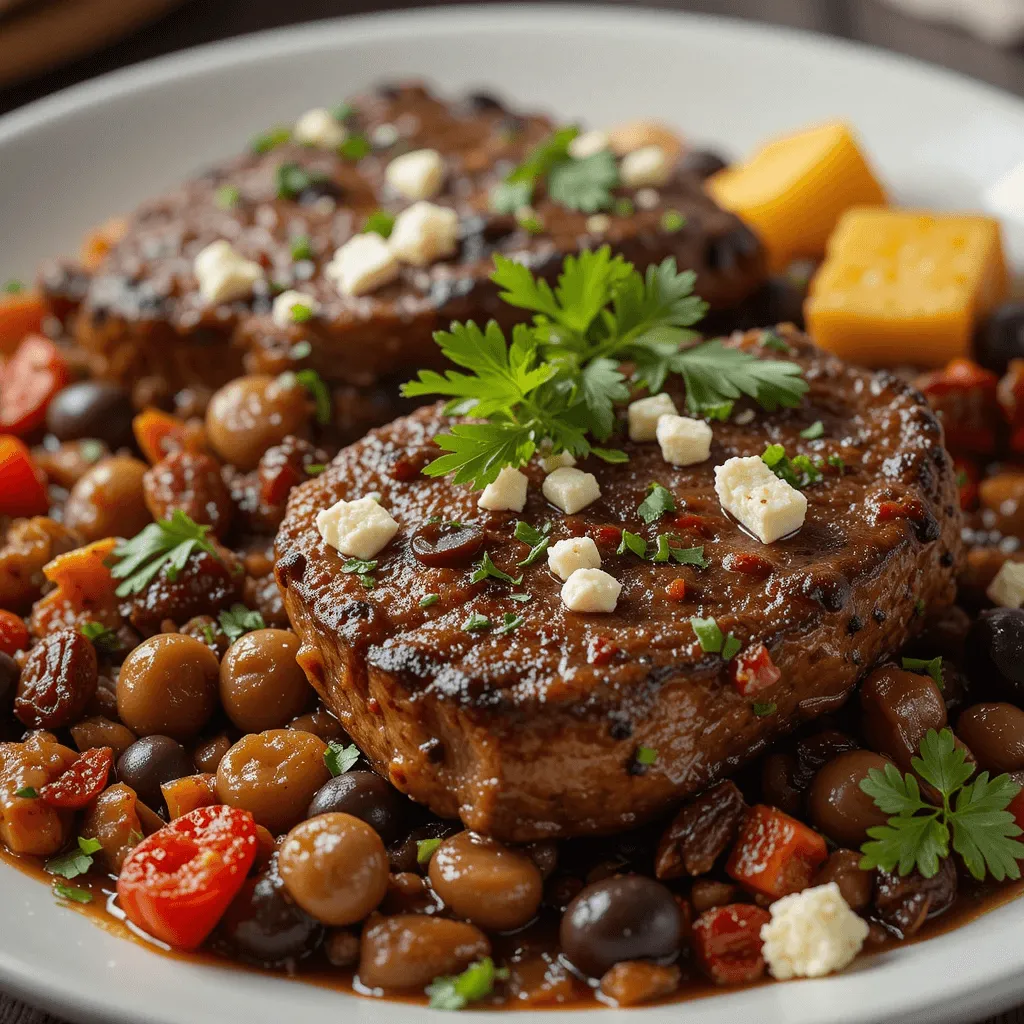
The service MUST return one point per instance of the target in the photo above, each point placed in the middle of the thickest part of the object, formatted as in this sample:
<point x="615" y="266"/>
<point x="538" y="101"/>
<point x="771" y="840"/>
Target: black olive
<point x="994" y="655"/>
<point x="626" y="918"/>
<point x="478" y="102"/>
<point x="264" y="926"/>
<point x="447" y="545"/>
<point x="703" y="163"/>
<point x="151" y="761"/>
<point x="403" y="855"/>
<point x="365" y="796"/>
<point x="1000" y="337"/>
<point x="92" y="408"/>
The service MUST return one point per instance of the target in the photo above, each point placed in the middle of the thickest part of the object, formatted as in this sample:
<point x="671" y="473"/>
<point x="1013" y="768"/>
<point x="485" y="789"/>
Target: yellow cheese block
<point x="900" y="286"/>
<point x="794" y="190"/>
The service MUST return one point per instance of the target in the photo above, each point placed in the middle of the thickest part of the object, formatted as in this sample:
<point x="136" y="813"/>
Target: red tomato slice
<point x="35" y="373"/>
<point x="22" y="486"/>
<point x="753" y="670"/>
<point x="177" y="883"/>
<point x="727" y="943"/>
<point x="13" y="632"/>
<point x="82" y="782"/>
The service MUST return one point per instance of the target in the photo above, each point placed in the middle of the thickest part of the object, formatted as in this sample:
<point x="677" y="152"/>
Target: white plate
<point x="72" y="160"/>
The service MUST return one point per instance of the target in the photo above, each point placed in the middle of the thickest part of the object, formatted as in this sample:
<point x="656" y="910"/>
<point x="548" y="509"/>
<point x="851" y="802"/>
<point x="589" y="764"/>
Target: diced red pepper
<point x="34" y="374"/>
<point x="967" y="482"/>
<point x="602" y="651"/>
<point x="158" y="433"/>
<point x="607" y="536"/>
<point x="22" y="485"/>
<point x="177" y="883"/>
<point x="753" y="670"/>
<point x="890" y="510"/>
<point x="13" y="632"/>
<point x="749" y="563"/>
<point x="963" y="395"/>
<point x="775" y="854"/>
<point x="677" y="589"/>
<point x="696" y="524"/>
<point x="82" y="782"/>
<point x="727" y="943"/>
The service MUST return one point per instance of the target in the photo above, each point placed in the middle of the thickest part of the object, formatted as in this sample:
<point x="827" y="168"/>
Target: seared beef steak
<point x="536" y="732"/>
<point x="142" y="315"/>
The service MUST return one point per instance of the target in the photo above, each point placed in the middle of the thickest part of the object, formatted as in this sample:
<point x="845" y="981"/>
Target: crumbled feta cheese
<point x="284" y="309"/>
<point x="424" y="233"/>
<point x="645" y="167"/>
<point x="812" y="933"/>
<point x="588" y="144"/>
<point x="571" y="489"/>
<point x="591" y="590"/>
<point x="384" y="135"/>
<point x="1007" y="589"/>
<point x="644" y="415"/>
<point x="647" y="198"/>
<point x="565" y="557"/>
<point x="319" y="127"/>
<point x="358" y="529"/>
<point x="416" y="175"/>
<point x="363" y="264"/>
<point x="549" y="463"/>
<point x="507" y="493"/>
<point x="684" y="441"/>
<point x="223" y="274"/>
<point x="743" y="417"/>
<point x="598" y="223"/>
<point x="768" y="507"/>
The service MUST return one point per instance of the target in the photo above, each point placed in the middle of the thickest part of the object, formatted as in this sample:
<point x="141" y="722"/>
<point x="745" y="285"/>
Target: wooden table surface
<point x="200" y="21"/>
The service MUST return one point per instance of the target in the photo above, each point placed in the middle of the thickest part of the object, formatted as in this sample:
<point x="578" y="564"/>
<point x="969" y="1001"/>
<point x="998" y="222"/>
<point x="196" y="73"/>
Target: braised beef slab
<point x="140" y="315"/>
<point x="536" y="732"/>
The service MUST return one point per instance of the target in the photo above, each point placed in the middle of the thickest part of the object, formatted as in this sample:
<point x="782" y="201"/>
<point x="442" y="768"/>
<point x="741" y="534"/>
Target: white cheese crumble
<point x="573" y="553"/>
<point x="223" y="274"/>
<point x="812" y="933"/>
<point x="644" y="168"/>
<point x="644" y="414"/>
<point x="589" y="144"/>
<point x="598" y="223"/>
<point x="507" y="493"/>
<point x="571" y="489"/>
<point x="424" y="233"/>
<point x="684" y="441"/>
<point x="591" y="590"/>
<point x="358" y="529"/>
<point x="549" y="463"/>
<point x="363" y="264"/>
<point x="320" y="128"/>
<point x="647" y="198"/>
<point x="416" y="175"/>
<point x="1007" y="589"/>
<point x="284" y="309"/>
<point x="768" y="507"/>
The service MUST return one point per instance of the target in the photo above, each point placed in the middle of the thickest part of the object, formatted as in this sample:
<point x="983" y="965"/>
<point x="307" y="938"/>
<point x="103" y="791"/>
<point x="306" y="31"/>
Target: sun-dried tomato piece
<point x="58" y="680"/>
<point x="82" y="782"/>
<point x="753" y="670"/>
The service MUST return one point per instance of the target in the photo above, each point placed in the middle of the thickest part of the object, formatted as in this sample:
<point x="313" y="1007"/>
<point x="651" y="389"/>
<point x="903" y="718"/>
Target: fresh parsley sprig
<point x="340" y="758"/>
<point x="560" y="378"/>
<point x="476" y="982"/>
<point x="167" y="542"/>
<point x="918" y="833"/>
<point x="798" y="472"/>
<point x="239" y="620"/>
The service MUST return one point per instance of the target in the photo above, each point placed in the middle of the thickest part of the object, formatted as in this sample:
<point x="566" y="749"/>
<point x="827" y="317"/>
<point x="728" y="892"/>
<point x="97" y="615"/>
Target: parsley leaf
<point x="429" y="599"/>
<point x="339" y="758"/>
<point x="798" y="472"/>
<point x="517" y="188"/>
<point x="76" y="861"/>
<point x="270" y="140"/>
<point x="315" y="385"/>
<point x="71" y="893"/>
<point x="301" y="249"/>
<point x="537" y="539"/>
<point x="103" y="639"/>
<point x="585" y="184"/>
<point x="634" y="543"/>
<point x="712" y="640"/>
<point x="292" y="179"/>
<point x="931" y="667"/>
<point x="355" y="147"/>
<point x="476" y="982"/>
<point x="645" y="755"/>
<point x="659" y="500"/>
<point x="509" y="623"/>
<point x="763" y="708"/>
<point x="239" y="620"/>
<point x="167" y="542"/>
<point x="227" y="197"/>
<point x="27" y="793"/>
<point x="425" y="849"/>
<point x="488" y="570"/>
<point x="477" y="623"/>
<point x="380" y="222"/>
<point x="814" y="431"/>
<point x="362" y="569"/>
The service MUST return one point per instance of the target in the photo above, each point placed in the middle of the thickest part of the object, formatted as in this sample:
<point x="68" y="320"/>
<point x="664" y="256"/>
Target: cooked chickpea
<point x="261" y="684"/>
<point x="335" y="867"/>
<point x="485" y="882"/>
<point x="274" y="775"/>
<point x="250" y="414"/>
<point x="168" y="685"/>
<point x="108" y="501"/>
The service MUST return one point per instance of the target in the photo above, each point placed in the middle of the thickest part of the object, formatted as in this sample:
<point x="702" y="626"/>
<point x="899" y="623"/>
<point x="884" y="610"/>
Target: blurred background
<point x="46" y="45"/>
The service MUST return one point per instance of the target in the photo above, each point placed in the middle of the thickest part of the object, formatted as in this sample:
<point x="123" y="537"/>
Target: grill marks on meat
<point x="538" y="737"/>
<point x="141" y="314"/>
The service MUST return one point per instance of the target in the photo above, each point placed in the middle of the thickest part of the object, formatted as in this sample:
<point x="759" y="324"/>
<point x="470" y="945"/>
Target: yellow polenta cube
<point x="794" y="190"/>
<point x="900" y="286"/>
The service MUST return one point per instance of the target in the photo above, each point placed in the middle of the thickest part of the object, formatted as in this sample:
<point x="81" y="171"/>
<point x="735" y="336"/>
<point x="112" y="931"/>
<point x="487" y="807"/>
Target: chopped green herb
<point x="645" y="755"/>
<point x="771" y="340"/>
<point x="429" y="599"/>
<point x="624" y="207"/>
<point x="672" y="221"/>
<point x="209" y="635"/>
<point x="91" y="450"/>
<point x="836" y="462"/>
<point x="763" y="708"/>
<point x="517" y="188"/>
<point x="731" y="647"/>
<point x="975" y="815"/>
<point x="227" y="197"/>
<point x="585" y="185"/>
<point x="511" y="196"/>
<point x="476" y="982"/>
<point x="239" y="620"/>
<point x="931" y="667"/>
<point x="290" y="180"/>
<point x="919" y="606"/>
<point x="13" y="287"/>
<point x="487" y="570"/>
<point x="529" y="222"/>
<point x="632" y="542"/>
<point x="103" y="639"/>
<point x="798" y="472"/>
<point x="301" y="249"/>
<point x="814" y="431"/>
<point x="355" y="147"/>
<point x="668" y="550"/>
<point x="708" y="634"/>
<point x="509" y="623"/>
<point x="300" y="312"/>
<point x="537" y="539"/>
<point x="477" y="623"/>
<point x="339" y="758"/>
<point x="425" y="849"/>
<point x="314" y="384"/>
<point x="76" y="861"/>
<point x="363" y="569"/>
<point x="71" y="893"/>
<point x="27" y="793"/>
<point x="270" y="140"/>
<point x="315" y="468"/>
<point x="520" y="598"/>
<point x="659" y="500"/>
<point x="381" y="222"/>
<point x="342" y="112"/>
<point x="166" y="544"/>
